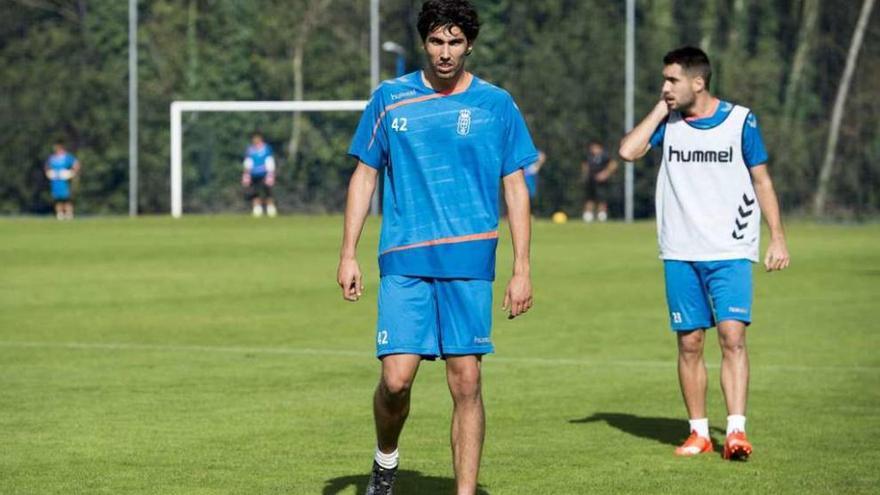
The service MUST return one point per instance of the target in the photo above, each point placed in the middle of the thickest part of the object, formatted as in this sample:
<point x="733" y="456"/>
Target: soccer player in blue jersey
<point x="713" y="172"/>
<point x="259" y="176"/>
<point x="60" y="168"/>
<point x="446" y="140"/>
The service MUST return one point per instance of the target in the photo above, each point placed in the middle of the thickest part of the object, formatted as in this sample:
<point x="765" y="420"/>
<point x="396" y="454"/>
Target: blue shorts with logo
<point x="702" y="293"/>
<point x="434" y="317"/>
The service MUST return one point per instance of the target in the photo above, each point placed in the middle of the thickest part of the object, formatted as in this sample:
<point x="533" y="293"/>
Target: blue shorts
<point x="60" y="190"/>
<point x="434" y="317"/>
<point x="701" y="293"/>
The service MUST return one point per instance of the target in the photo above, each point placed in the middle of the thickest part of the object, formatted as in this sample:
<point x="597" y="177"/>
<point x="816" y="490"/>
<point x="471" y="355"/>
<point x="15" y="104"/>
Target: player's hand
<point x="777" y="257"/>
<point x="270" y="180"/>
<point x="518" y="296"/>
<point x="350" y="280"/>
<point x="661" y="108"/>
<point x="246" y="180"/>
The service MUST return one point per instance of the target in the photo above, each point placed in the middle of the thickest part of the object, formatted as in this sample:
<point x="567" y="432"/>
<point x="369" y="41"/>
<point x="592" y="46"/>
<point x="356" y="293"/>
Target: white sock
<point x="271" y="211"/>
<point x="701" y="426"/>
<point x="736" y="422"/>
<point x="603" y="216"/>
<point x="387" y="461"/>
<point x="258" y="211"/>
<point x="588" y="216"/>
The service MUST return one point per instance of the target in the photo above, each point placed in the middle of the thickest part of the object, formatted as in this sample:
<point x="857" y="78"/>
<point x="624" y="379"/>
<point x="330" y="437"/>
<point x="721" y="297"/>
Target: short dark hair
<point x="257" y="134"/>
<point x="693" y="60"/>
<point x="448" y="13"/>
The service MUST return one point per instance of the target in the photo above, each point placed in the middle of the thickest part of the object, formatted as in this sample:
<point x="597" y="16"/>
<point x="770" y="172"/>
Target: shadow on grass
<point x="664" y="430"/>
<point x="407" y="482"/>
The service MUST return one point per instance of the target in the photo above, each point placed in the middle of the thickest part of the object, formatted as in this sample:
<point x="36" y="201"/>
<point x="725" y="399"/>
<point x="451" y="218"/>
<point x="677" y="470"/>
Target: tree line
<point x="66" y="68"/>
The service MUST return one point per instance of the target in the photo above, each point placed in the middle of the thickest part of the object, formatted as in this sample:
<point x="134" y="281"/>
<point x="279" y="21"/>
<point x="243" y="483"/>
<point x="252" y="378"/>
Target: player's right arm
<point x="638" y="141"/>
<point x="357" y="205"/>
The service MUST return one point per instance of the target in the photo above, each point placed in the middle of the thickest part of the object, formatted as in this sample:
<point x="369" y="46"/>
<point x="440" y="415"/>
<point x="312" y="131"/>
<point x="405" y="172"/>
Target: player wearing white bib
<point x="712" y="187"/>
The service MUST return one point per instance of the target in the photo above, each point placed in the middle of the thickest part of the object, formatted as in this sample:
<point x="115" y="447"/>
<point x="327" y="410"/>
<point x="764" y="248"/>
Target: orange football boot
<point x="694" y="445"/>
<point x="737" y="447"/>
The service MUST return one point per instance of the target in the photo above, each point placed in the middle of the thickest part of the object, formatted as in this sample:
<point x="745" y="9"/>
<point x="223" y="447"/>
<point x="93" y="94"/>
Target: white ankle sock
<point x="387" y="461"/>
<point x="736" y="422"/>
<point x="701" y="426"/>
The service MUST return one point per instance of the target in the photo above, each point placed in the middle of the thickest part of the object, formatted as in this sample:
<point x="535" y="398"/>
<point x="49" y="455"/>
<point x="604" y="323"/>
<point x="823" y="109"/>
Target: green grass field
<point x="215" y="355"/>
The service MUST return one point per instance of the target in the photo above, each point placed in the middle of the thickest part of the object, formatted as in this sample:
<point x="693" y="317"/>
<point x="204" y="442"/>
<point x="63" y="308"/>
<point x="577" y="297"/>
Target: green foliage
<point x="65" y="75"/>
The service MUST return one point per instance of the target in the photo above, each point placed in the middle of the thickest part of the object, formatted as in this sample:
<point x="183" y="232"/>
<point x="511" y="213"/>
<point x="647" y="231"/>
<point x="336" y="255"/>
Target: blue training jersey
<point x="59" y="187"/>
<point x="64" y="161"/>
<point x="259" y="156"/>
<point x="444" y="156"/>
<point x="753" y="149"/>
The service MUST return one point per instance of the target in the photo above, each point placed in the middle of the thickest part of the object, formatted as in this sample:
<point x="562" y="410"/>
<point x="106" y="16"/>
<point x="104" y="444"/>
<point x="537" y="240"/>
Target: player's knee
<point x="691" y="345"/>
<point x="465" y="385"/>
<point x="733" y="345"/>
<point x="395" y="385"/>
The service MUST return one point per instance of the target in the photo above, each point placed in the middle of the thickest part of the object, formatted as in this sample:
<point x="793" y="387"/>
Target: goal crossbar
<point x="178" y="107"/>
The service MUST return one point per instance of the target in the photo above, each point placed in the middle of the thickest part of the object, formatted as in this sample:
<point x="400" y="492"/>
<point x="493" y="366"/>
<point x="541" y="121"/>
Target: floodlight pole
<point x="132" y="109"/>
<point x="374" y="76"/>
<point x="630" y="93"/>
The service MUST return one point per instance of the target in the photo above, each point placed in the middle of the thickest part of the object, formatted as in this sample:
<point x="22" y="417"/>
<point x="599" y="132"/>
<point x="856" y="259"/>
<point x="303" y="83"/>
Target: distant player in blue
<point x="446" y="140"/>
<point x="258" y="177"/>
<point x="61" y="167"/>
<point x="712" y="189"/>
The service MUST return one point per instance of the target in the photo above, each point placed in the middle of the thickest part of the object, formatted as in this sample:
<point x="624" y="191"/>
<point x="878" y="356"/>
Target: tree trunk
<point x="310" y="20"/>
<point x="192" y="46"/>
<point x="806" y="34"/>
<point x="839" y="103"/>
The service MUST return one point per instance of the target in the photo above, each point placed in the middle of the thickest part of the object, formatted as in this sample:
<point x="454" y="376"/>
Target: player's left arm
<point x="74" y="170"/>
<point x="608" y="172"/>
<point x="518" y="296"/>
<point x="777" y="257"/>
<point x="755" y="155"/>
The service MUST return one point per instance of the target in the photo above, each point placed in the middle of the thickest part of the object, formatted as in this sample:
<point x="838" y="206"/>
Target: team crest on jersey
<point x="464" y="123"/>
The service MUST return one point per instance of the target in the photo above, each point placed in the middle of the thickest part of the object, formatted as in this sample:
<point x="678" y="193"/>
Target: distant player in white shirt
<point x="713" y="171"/>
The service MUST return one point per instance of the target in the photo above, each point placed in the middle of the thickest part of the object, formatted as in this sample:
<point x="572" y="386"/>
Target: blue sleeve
<point x="370" y="141"/>
<point x="519" y="150"/>
<point x="657" y="137"/>
<point x="753" y="150"/>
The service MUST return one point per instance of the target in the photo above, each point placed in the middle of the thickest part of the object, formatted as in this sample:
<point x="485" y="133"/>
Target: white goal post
<point x="178" y="107"/>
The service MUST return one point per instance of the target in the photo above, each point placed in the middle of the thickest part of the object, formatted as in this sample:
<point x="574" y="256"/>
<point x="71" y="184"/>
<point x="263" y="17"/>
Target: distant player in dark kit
<point x="259" y="176"/>
<point x="596" y="171"/>
<point x="61" y="167"/>
<point x="446" y="140"/>
<point x="712" y="187"/>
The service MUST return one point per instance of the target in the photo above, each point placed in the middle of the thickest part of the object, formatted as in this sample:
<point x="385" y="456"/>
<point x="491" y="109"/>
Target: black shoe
<point x="381" y="480"/>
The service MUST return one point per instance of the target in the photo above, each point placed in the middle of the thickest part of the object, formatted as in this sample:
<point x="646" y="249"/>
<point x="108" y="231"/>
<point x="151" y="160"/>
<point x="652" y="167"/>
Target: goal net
<point x="208" y="140"/>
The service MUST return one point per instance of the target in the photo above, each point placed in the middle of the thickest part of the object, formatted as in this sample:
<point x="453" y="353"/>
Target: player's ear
<point x="470" y="49"/>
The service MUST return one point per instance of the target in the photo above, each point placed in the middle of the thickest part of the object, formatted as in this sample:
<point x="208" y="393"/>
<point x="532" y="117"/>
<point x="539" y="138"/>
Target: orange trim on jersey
<point x="397" y="105"/>
<point x="419" y="99"/>
<point x="446" y="240"/>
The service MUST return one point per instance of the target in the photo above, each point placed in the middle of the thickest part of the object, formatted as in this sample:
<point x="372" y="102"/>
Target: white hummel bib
<point x="706" y="204"/>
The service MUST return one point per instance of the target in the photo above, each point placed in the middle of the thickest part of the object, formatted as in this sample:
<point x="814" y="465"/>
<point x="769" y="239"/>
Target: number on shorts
<point x="382" y="338"/>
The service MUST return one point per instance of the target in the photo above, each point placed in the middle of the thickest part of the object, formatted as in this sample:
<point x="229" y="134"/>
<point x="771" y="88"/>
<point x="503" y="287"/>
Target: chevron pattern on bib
<point x="745" y="210"/>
